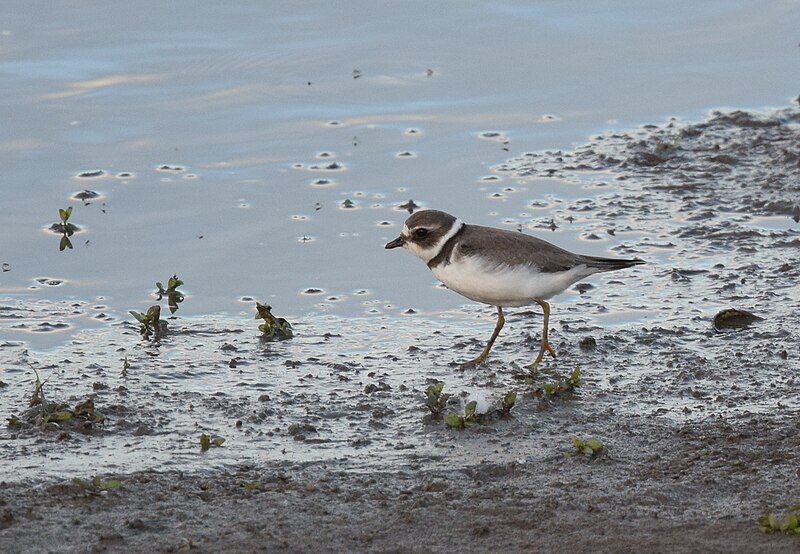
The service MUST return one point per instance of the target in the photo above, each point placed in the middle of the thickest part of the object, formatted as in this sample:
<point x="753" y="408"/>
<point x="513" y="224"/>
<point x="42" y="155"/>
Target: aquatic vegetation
<point x="97" y="485"/>
<point x="435" y="400"/>
<point x="174" y="296"/>
<point x="560" y="387"/>
<point x="509" y="399"/>
<point x="455" y="421"/>
<point x="42" y="412"/>
<point x="273" y="328"/>
<point x="66" y="228"/>
<point x="590" y="448"/>
<point x="150" y="321"/>
<point x="789" y="523"/>
<point x="150" y="325"/>
<point x="207" y="441"/>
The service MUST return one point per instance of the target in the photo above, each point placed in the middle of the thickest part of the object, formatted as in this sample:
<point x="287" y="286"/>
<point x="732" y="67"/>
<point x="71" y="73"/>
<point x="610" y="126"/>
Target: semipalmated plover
<point x="497" y="267"/>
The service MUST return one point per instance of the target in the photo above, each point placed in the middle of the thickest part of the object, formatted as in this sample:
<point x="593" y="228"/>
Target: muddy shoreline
<point x="328" y="447"/>
<point x="660" y="487"/>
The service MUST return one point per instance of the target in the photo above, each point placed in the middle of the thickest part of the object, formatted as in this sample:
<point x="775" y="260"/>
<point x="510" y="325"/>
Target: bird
<point x="498" y="267"/>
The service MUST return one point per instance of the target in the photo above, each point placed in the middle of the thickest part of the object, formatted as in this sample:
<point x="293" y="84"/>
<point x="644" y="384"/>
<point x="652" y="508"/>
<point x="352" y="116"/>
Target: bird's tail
<point x="610" y="264"/>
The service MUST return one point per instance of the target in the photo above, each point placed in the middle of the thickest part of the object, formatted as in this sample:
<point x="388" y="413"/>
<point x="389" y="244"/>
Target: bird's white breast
<point x="504" y="285"/>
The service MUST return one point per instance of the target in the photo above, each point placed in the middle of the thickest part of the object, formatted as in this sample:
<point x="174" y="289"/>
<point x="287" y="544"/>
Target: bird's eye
<point x="420" y="233"/>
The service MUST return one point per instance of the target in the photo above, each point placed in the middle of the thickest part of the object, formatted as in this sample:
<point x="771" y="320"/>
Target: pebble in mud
<point x="587" y="343"/>
<point x="50" y="282"/>
<point x="85" y="195"/>
<point x="312" y="290"/>
<point x="92" y="173"/>
<point x="732" y="318"/>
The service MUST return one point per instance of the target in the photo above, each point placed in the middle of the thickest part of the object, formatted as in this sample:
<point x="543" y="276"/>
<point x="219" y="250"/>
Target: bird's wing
<point x="514" y="248"/>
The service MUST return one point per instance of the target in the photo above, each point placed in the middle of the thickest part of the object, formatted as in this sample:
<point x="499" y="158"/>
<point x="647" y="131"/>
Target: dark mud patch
<point x="660" y="488"/>
<point x="735" y="161"/>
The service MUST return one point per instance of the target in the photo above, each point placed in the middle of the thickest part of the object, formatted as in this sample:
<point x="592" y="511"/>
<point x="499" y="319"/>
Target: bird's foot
<point x="545" y="348"/>
<point x="472" y="364"/>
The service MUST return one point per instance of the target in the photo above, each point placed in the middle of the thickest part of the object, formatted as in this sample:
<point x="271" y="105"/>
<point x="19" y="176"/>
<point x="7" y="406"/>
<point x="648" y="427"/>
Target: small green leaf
<point x="453" y="420"/>
<point x="80" y="482"/>
<point x="773" y="522"/>
<point x="12" y="420"/>
<point x="595" y="444"/>
<point x="207" y="441"/>
<point x="58" y="416"/>
<point x="469" y="409"/>
<point x="139" y="316"/>
<point x="436" y="389"/>
<point x="509" y="399"/>
<point x="110" y="484"/>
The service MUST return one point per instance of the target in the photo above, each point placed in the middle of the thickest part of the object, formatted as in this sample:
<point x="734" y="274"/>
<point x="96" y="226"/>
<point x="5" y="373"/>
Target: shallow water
<point x="224" y="143"/>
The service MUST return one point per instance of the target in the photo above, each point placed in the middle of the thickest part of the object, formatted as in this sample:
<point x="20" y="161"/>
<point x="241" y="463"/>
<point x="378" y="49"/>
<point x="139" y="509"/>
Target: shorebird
<point x="498" y="267"/>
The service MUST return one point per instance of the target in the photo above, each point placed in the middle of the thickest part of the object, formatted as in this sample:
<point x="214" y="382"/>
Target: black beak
<point x="399" y="241"/>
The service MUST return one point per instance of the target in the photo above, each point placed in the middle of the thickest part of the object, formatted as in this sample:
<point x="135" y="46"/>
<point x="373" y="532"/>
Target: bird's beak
<point x="399" y="241"/>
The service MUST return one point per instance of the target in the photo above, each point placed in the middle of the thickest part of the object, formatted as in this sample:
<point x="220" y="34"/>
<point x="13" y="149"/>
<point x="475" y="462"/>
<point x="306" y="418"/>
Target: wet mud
<point x="329" y="445"/>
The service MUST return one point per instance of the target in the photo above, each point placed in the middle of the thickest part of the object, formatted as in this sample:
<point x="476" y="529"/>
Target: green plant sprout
<point x="97" y="485"/>
<point x="789" y="524"/>
<point x="207" y="442"/>
<point x="150" y="324"/>
<point x="42" y="412"/>
<point x="563" y="386"/>
<point x="509" y="399"/>
<point x="174" y="296"/>
<point x="590" y="447"/>
<point x="435" y="400"/>
<point x="455" y="421"/>
<point x="273" y="328"/>
<point x="66" y="228"/>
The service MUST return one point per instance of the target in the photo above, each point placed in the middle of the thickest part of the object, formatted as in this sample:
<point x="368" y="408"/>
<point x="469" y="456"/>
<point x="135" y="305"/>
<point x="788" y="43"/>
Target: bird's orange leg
<point x="482" y="357"/>
<point x="545" y="343"/>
